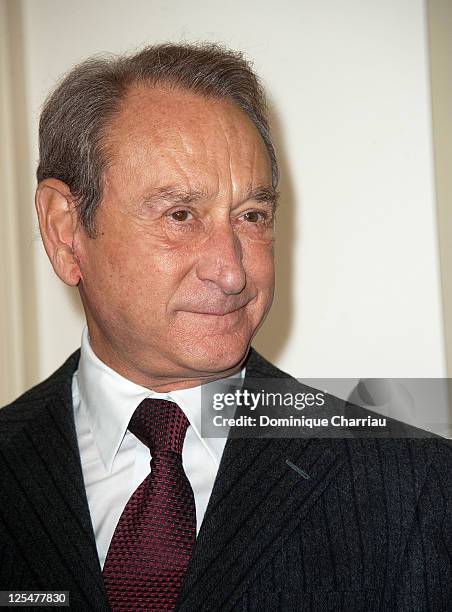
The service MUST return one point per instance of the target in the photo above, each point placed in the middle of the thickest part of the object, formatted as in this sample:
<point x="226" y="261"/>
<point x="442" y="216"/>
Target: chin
<point x="218" y="355"/>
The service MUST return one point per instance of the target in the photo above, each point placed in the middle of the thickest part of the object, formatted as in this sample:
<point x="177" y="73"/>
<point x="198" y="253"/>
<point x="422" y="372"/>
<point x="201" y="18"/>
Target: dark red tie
<point x="153" y="540"/>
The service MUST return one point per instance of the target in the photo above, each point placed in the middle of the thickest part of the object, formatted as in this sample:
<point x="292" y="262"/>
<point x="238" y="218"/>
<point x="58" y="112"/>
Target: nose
<point x="220" y="260"/>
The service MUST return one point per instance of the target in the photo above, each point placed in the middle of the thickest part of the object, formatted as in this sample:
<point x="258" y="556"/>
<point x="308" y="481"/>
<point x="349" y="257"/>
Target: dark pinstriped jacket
<point x="369" y="530"/>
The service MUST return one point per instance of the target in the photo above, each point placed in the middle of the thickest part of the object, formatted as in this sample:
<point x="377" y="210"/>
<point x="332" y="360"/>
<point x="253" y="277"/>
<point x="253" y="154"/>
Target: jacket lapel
<point x="51" y="524"/>
<point x="257" y="501"/>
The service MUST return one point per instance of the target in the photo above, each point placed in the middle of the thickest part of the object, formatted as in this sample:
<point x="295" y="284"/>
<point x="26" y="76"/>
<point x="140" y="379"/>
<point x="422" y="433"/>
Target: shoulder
<point x="401" y="447"/>
<point x="259" y="367"/>
<point x="25" y="407"/>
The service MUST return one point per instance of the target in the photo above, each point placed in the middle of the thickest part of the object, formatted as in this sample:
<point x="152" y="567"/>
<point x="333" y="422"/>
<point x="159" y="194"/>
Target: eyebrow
<point x="175" y="195"/>
<point x="267" y="195"/>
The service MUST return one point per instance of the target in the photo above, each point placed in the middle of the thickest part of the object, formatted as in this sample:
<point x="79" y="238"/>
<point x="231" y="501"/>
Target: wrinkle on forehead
<point x="167" y="136"/>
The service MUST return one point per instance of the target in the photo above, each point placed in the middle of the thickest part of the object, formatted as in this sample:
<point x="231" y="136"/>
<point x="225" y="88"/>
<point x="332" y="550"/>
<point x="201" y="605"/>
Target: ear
<point x="58" y="224"/>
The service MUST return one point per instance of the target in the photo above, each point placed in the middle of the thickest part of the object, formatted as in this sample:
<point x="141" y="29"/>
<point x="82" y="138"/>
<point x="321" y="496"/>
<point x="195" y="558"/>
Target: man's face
<point x="180" y="275"/>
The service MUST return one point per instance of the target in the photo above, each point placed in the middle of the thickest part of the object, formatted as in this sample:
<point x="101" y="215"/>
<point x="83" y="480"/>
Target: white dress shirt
<point x="114" y="461"/>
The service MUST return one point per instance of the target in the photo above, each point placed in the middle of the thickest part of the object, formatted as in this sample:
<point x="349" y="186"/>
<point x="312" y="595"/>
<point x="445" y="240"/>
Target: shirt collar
<point x="109" y="401"/>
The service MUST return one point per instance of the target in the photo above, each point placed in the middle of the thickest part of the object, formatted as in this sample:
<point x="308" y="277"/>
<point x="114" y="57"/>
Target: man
<point x="156" y="198"/>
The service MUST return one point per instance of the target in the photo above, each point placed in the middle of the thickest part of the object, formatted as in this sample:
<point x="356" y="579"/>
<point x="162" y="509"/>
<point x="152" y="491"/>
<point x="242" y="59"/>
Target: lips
<point x="219" y="312"/>
<point x="215" y="313"/>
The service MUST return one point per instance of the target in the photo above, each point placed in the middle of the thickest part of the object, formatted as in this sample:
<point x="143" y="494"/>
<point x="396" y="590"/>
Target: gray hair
<point x="75" y="118"/>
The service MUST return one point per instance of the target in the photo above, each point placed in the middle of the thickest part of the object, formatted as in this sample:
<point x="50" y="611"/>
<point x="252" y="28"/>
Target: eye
<point x="255" y="216"/>
<point x="181" y="215"/>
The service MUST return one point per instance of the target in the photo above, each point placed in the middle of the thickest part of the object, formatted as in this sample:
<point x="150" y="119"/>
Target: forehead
<point x="167" y="134"/>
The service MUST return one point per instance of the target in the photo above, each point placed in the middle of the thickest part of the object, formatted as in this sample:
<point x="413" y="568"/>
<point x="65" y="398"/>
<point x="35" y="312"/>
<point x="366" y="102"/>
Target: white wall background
<point x="359" y="291"/>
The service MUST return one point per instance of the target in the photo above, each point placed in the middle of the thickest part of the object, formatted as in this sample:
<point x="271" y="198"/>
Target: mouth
<point x="221" y="312"/>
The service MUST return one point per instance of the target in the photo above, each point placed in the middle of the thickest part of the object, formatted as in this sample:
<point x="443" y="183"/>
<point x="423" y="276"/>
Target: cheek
<point x="138" y="276"/>
<point x="258" y="262"/>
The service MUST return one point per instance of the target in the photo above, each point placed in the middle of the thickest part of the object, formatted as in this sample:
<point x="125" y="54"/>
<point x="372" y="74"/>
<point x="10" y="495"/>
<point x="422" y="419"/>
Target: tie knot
<point x="159" y="424"/>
